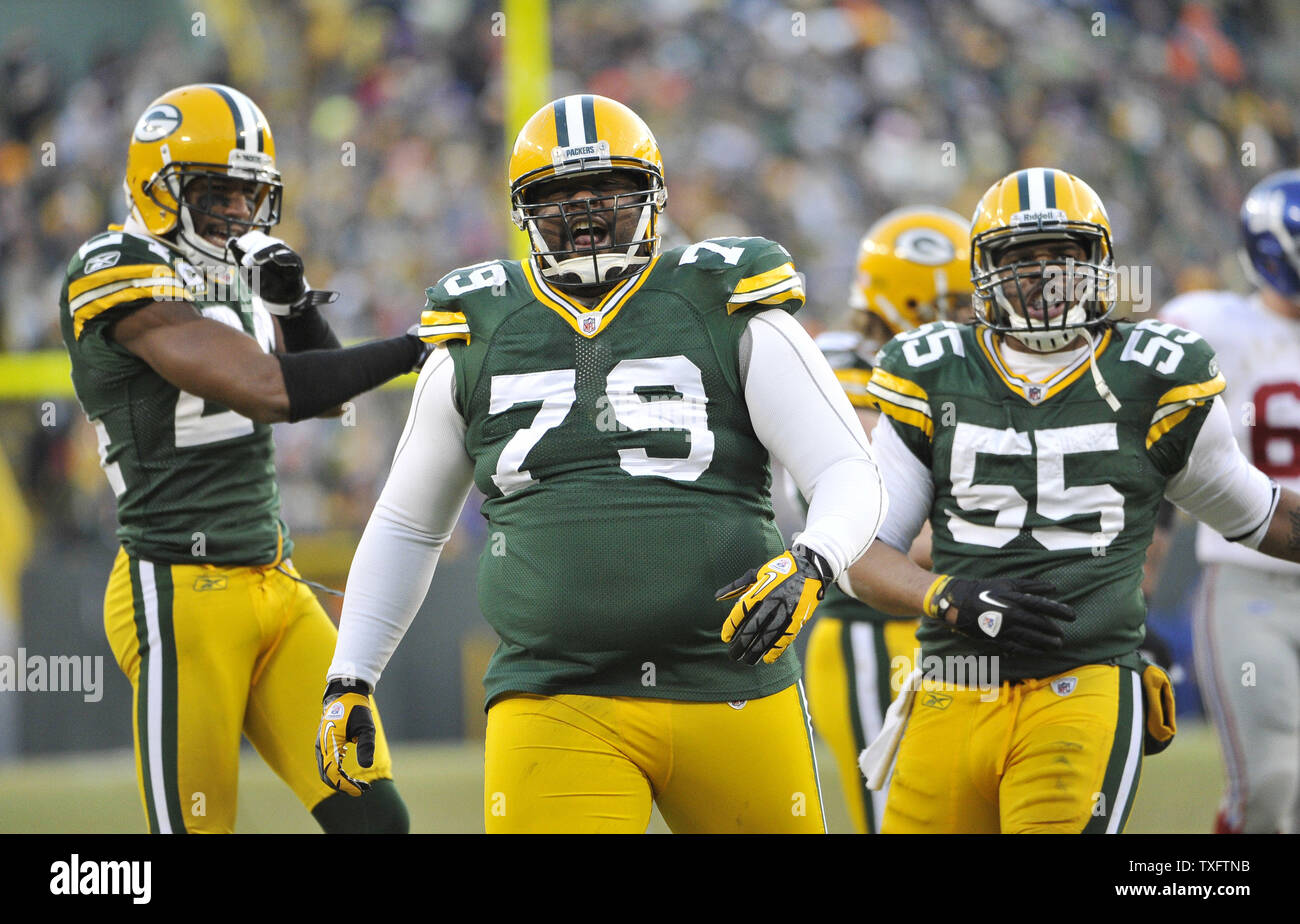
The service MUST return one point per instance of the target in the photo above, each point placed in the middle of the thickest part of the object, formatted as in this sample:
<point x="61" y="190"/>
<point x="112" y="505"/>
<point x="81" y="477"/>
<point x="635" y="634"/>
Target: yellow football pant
<point x="212" y="652"/>
<point x="588" y="764"/>
<point x="853" y="671"/>
<point x="1061" y="754"/>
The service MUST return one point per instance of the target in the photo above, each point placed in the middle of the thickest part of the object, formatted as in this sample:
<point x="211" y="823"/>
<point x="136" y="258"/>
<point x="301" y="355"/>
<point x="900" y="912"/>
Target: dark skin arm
<point x="891" y="582"/>
<point x="206" y="358"/>
<point x="1282" y="540"/>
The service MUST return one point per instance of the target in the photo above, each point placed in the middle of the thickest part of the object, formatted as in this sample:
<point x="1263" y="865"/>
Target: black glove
<point x="275" y="272"/>
<point x="1014" y="614"/>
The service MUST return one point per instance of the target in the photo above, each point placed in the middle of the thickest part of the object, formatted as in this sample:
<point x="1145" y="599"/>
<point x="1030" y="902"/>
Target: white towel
<point x="877" y="760"/>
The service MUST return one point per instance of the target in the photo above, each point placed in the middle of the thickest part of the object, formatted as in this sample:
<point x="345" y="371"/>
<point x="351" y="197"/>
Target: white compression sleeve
<point x="412" y="520"/>
<point x="1220" y="487"/>
<point x="909" y="483"/>
<point x="800" y="413"/>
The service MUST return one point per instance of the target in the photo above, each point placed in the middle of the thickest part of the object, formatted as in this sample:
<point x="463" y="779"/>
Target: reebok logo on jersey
<point x="1064" y="686"/>
<point x="937" y="700"/>
<point x="210" y="582"/>
<point x="335" y="710"/>
<point x="101" y="261"/>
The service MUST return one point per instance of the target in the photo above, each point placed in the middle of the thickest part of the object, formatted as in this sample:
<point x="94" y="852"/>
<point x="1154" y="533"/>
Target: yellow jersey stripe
<point x="920" y="407"/>
<point x="441" y="326"/>
<point x="133" y="294"/>
<point x="114" y="273"/>
<point x="763" y="280"/>
<point x="1163" y="426"/>
<point x="854" y="382"/>
<point x="442" y="317"/>
<point x="905" y="415"/>
<point x="163" y="289"/>
<point x="900" y="385"/>
<point x="782" y="295"/>
<point x="442" y="335"/>
<point x="1199" y="390"/>
<point x="776" y="294"/>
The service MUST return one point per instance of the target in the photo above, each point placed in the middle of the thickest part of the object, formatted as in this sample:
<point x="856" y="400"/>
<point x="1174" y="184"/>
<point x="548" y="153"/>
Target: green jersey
<point x="195" y="482"/>
<point x="624" y="482"/>
<point x="1043" y="479"/>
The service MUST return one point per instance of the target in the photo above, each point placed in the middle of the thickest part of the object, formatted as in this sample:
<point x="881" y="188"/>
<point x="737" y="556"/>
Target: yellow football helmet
<point x="189" y="134"/>
<point x="1052" y="209"/>
<point x="576" y="136"/>
<point x="913" y="268"/>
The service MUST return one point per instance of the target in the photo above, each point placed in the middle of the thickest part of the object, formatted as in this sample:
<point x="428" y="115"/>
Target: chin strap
<point x="1102" y="388"/>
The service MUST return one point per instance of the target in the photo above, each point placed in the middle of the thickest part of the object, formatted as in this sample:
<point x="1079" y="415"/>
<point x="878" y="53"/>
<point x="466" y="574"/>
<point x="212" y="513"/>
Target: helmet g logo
<point x="925" y="246"/>
<point x="157" y="123"/>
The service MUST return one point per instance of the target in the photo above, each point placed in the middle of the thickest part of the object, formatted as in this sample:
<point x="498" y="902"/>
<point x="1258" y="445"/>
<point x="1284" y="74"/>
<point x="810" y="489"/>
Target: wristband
<point x="308" y="330"/>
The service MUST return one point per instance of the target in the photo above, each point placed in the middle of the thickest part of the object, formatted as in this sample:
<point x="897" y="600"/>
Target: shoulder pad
<point x="920" y="353"/>
<point x="1180" y="365"/>
<point x="906" y="366"/>
<point x="754" y="273"/>
<point x="117" y="268"/>
<point x="453" y="301"/>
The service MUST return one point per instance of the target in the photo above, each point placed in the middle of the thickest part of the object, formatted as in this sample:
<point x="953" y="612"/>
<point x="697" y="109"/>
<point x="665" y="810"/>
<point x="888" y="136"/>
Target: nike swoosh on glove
<point x="775" y="602"/>
<point x="346" y="718"/>
<point x="1015" y="614"/>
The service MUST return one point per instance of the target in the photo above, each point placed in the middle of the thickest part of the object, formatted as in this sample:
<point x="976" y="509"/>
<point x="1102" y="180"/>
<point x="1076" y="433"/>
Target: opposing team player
<point x="913" y="268"/>
<point x="617" y="405"/>
<point x="1039" y="444"/>
<point x="190" y="331"/>
<point x="1247" y="639"/>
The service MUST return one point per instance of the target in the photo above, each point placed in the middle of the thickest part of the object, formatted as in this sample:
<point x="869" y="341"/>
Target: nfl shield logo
<point x="1064" y="686"/>
<point x="589" y="323"/>
<point x="1034" y="393"/>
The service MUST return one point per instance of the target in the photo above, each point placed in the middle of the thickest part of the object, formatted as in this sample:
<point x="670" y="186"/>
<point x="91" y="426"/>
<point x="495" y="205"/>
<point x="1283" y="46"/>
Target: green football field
<point x="96" y="793"/>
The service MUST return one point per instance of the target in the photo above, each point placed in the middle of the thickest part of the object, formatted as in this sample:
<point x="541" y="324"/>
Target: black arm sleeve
<point x="308" y="330"/>
<point x="317" y="380"/>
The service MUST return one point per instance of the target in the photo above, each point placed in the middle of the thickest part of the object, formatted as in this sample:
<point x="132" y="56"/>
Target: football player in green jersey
<point x="617" y="405"/>
<point x="1039" y="444"/>
<point x="913" y="267"/>
<point x="190" y="331"/>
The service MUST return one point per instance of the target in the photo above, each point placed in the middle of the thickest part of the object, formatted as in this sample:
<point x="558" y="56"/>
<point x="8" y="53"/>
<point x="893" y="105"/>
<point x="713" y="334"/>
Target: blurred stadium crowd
<point x="797" y="121"/>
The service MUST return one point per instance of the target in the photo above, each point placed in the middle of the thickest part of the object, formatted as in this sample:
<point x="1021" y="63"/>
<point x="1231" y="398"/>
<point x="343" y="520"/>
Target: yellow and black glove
<point x="775" y="602"/>
<point x="346" y="718"/>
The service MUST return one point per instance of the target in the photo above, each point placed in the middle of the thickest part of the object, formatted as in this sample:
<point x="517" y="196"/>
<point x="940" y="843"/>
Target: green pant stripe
<point x="158" y="717"/>
<point x="855" y="719"/>
<point x="1124" y="768"/>
<point x="142" y="693"/>
<point x="171" y="717"/>
<point x="812" y="750"/>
